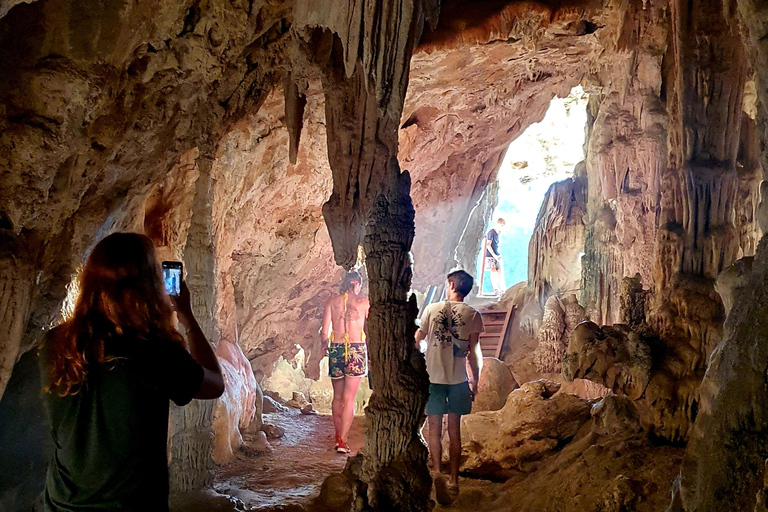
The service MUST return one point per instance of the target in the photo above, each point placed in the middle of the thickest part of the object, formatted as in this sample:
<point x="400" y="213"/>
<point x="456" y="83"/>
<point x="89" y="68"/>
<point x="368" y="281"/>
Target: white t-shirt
<point x="448" y="326"/>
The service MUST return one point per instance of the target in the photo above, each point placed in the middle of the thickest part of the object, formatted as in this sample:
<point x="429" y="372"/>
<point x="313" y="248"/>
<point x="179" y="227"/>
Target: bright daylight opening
<point x="545" y="153"/>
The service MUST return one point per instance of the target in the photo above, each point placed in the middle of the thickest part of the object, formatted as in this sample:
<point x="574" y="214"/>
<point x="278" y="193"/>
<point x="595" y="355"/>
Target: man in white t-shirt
<point x="452" y="330"/>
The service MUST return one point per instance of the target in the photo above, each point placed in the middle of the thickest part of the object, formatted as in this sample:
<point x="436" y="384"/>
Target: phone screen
<point x="172" y="277"/>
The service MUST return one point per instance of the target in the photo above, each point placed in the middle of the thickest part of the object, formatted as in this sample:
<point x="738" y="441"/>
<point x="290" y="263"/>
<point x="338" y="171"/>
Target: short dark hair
<point x="462" y="282"/>
<point x="349" y="278"/>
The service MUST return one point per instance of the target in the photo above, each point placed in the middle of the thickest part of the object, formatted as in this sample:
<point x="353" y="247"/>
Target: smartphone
<point x="172" y="277"/>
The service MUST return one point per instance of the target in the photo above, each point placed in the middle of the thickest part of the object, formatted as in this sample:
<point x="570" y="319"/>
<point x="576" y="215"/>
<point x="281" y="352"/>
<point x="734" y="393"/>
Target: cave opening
<point x="545" y="153"/>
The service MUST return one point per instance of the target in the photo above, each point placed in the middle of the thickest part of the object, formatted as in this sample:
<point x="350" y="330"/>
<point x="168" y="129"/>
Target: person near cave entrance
<point x="493" y="257"/>
<point x="452" y="330"/>
<point x="110" y="371"/>
<point x="344" y="331"/>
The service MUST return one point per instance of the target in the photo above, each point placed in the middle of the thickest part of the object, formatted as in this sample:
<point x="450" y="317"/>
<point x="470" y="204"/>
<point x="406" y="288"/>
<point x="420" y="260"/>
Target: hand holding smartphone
<point x="172" y="276"/>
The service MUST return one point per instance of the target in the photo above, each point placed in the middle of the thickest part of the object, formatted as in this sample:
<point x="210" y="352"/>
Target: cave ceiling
<point x="101" y="110"/>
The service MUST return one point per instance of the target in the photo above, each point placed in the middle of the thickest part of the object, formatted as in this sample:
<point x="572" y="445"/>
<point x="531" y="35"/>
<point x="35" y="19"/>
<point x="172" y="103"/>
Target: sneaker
<point x="441" y="490"/>
<point x="338" y="441"/>
<point x="342" y="447"/>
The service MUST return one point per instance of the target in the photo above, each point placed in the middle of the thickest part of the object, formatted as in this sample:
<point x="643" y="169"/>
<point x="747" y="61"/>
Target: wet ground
<point x="293" y="473"/>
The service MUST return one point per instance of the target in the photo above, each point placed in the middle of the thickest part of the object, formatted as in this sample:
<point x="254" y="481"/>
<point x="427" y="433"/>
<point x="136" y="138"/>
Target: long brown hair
<point x="349" y="279"/>
<point x="121" y="289"/>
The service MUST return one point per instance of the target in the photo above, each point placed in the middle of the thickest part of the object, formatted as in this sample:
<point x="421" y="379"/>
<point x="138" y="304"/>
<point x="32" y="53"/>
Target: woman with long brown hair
<point x="344" y="332"/>
<point x="110" y="372"/>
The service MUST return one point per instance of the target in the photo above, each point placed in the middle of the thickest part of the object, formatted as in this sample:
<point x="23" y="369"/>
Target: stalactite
<point x="295" y="102"/>
<point x="725" y="458"/>
<point x="364" y="81"/>
<point x="557" y="240"/>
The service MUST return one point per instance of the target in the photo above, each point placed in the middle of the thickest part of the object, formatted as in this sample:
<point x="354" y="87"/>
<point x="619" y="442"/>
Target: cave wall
<point x="110" y="117"/>
<point x="205" y="124"/>
<point x="626" y="154"/>
<point x="276" y="267"/>
<point x="100" y="108"/>
<point x="673" y="174"/>
<point x="203" y="82"/>
<point x="97" y="108"/>
<point x="731" y="428"/>
<point x="472" y="91"/>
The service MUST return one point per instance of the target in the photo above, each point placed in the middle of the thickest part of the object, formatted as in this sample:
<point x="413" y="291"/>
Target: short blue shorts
<point x="449" y="398"/>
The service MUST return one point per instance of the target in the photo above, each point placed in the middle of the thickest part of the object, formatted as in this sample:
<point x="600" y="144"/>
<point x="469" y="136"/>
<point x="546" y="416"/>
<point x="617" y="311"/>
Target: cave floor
<point x="597" y="471"/>
<point x="292" y="474"/>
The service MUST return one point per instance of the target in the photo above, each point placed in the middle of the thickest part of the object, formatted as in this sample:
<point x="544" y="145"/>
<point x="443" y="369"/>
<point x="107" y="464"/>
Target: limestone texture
<point x="240" y="406"/>
<point x="495" y="384"/>
<point x="270" y="144"/>
<point x="533" y="423"/>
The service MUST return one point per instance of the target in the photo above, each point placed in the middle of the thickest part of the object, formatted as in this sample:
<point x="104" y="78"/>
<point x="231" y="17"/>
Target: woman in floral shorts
<point x="343" y="328"/>
<point x="347" y="360"/>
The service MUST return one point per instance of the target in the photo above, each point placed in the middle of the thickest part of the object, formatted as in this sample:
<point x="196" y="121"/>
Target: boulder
<point x="534" y="422"/>
<point x="260" y="443"/>
<point x="275" y="396"/>
<point x="308" y="409"/>
<point x="616" y="413"/>
<point x="273" y="431"/>
<point x="297" y="401"/>
<point x="616" y="356"/>
<point x="271" y="405"/>
<point x="496" y="383"/>
<point x="337" y="491"/>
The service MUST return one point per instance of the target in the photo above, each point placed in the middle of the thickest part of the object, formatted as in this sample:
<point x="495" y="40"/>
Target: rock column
<point x="364" y="63"/>
<point x="191" y="433"/>
<point x="724" y="464"/>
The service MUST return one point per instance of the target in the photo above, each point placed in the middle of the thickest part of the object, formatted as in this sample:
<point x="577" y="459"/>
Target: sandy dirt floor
<point x="612" y="472"/>
<point x="289" y="478"/>
<point x="293" y="473"/>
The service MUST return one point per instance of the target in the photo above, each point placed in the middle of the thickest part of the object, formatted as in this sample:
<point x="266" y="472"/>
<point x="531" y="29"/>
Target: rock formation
<point x="554" y="253"/>
<point x="632" y="360"/>
<point x="263" y="142"/>
<point x="560" y="319"/>
<point x="548" y="356"/>
<point x="533" y="423"/>
<point x="240" y="406"/>
<point x="730" y="429"/>
<point x="495" y="384"/>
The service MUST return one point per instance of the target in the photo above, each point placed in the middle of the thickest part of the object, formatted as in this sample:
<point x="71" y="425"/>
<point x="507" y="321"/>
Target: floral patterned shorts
<point x="355" y="364"/>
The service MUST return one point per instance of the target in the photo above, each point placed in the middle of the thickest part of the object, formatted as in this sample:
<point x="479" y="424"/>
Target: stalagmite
<point x="549" y="352"/>
<point x="364" y="98"/>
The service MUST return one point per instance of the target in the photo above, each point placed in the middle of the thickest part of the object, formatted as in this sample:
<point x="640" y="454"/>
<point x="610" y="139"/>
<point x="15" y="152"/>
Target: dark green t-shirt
<point x="111" y="437"/>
